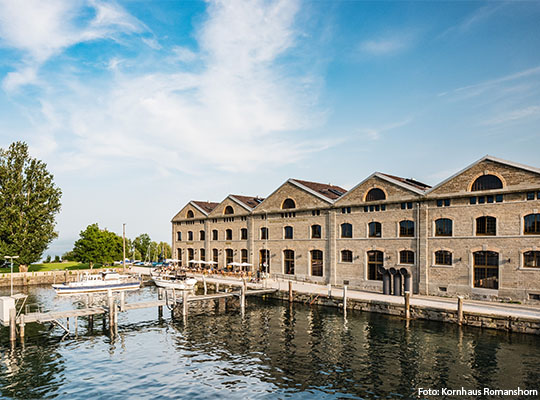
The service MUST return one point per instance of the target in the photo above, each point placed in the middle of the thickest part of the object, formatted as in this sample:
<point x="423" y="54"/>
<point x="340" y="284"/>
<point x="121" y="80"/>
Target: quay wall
<point x="45" y="277"/>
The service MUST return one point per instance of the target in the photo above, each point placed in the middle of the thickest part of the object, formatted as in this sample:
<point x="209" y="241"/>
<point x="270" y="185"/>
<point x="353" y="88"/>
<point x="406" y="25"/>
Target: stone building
<point x="477" y="233"/>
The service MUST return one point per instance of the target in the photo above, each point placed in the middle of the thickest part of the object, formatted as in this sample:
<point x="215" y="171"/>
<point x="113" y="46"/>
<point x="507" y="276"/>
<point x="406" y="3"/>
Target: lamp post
<point x="11" y="258"/>
<point x="124" y="248"/>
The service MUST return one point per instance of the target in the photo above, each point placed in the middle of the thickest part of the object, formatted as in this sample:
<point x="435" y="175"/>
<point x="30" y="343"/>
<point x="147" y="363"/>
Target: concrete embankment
<point x="45" y="277"/>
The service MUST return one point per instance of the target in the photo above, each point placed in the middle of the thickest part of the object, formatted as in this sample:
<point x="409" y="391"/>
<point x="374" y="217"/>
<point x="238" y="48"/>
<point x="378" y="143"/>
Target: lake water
<point x="274" y="351"/>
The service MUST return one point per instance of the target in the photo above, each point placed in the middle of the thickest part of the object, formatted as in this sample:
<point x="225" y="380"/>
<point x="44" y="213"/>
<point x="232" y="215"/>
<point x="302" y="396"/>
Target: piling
<point x="407" y="304"/>
<point x="160" y="297"/>
<point x="111" y="309"/>
<point x="184" y="303"/>
<point x="21" y="326"/>
<point x="242" y="299"/>
<point x="204" y="284"/>
<point x="217" y="287"/>
<point x="290" y="292"/>
<point x="90" y="323"/>
<point x="67" y="323"/>
<point x="12" y="325"/>
<point x="76" y="325"/>
<point x="460" y="310"/>
<point x="345" y="297"/>
<point x="122" y="301"/>
<point x="329" y="290"/>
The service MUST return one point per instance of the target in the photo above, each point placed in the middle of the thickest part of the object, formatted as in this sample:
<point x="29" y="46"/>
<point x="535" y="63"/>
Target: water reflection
<point x="274" y="350"/>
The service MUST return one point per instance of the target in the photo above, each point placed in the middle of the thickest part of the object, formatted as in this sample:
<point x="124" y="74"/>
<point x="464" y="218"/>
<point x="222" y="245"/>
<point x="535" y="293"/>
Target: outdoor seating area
<point x="233" y="269"/>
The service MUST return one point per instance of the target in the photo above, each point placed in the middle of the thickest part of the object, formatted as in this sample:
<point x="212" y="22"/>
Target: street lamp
<point x="11" y="257"/>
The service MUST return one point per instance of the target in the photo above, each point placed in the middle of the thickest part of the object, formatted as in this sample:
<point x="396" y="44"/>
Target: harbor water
<point x="276" y="350"/>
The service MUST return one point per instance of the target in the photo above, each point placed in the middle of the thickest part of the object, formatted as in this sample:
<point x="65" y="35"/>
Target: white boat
<point x="179" y="282"/>
<point x="91" y="283"/>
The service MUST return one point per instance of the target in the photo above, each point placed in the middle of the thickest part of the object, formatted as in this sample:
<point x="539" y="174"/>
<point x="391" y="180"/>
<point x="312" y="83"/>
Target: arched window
<point x="264" y="233"/>
<point x="346" y="256"/>
<point x="229" y="256"/>
<point x="375" y="194"/>
<point x="179" y="257"/>
<point x="346" y="230"/>
<point x="264" y="257"/>
<point x="443" y="227"/>
<point x="243" y="234"/>
<point x="315" y="231"/>
<point x="532" y="224"/>
<point x="289" y="203"/>
<point x="191" y="255"/>
<point x="202" y="252"/>
<point x="228" y="234"/>
<point x="375" y="260"/>
<point x="179" y="236"/>
<point x="244" y="254"/>
<point x="201" y="235"/>
<point x="486" y="269"/>
<point x="406" y="229"/>
<point x="215" y="257"/>
<point x="190" y="214"/>
<point x="374" y="229"/>
<point x="443" y="257"/>
<point x="288" y="261"/>
<point x="486" y="182"/>
<point x="288" y="232"/>
<point x="228" y="210"/>
<point x="531" y="259"/>
<point x="486" y="226"/>
<point x="316" y="263"/>
<point x="190" y="236"/>
<point x="406" y="257"/>
<point x="214" y="234"/>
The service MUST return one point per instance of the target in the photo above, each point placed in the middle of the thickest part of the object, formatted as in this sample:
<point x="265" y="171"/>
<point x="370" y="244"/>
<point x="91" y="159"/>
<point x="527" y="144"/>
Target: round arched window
<point x="289" y="203"/>
<point x="486" y="182"/>
<point x="375" y="194"/>
<point x="190" y="214"/>
<point x="228" y="210"/>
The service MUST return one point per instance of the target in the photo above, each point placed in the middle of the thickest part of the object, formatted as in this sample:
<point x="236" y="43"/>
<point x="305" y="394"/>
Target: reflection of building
<point x="476" y="233"/>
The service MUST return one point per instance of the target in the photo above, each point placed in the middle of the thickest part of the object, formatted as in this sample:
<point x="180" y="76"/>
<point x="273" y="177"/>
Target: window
<point x="190" y="236"/>
<point x="486" y="269"/>
<point x="243" y="234"/>
<point x="191" y="255"/>
<point x="229" y="256"/>
<point x="374" y="229"/>
<point x="406" y="229"/>
<point x="215" y="234"/>
<point x="244" y="254"/>
<point x="179" y="236"/>
<point x="499" y="198"/>
<point x="486" y="226"/>
<point x="264" y="256"/>
<point x="288" y="203"/>
<point x="215" y="256"/>
<point x="532" y="224"/>
<point x="228" y="210"/>
<point x="288" y="230"/>
<point x="447" y="202"/>
<point x="443" y="257"/>
<point x="288" y="261"/>
<point x="406" y="257"/>
<point x="407" y="205"/>
<point x="179" y="251"/>
<point x="375" y="194"/>
<point x="472" y="200"/>
<point x="228" y="234"/>
<point x="486" y="182"/>
<point x="316" y="212"/>
<point x="443" y="227"/>
<point x="190" y="214"/>
<point x="346" y="210"/>
<point x="443" y="202"/>
<point x="202" y="252"/>
<point x="346" y="256"/>
<point x="439" y="203"/>
<point x="264" y="233"/>
<point x="315" y="231"/>
<point x="531" y="259"/>
<point x="375" y="260"/>
<point x="346" y="230"/>
<point x="316" y="263"/>
<point x="530" y="196"/>
<point x="201" y="235"/>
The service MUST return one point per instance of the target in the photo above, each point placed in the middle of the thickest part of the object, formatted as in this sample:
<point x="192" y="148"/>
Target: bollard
<point x="184" y="303"/>
<point x="329" y="290"/>
<point x="460" y="309"/>
<point x="406" y="279"/>
<point x="122" y="301"/>
<point x="204" y="284"/>
<point x="290" y="292"/>
<point x="21" y="326"/>
<point x="386" y="280"/>
<point x="407" y="304"/>
<point x="345" y="297"/>
<point x="12" y="325"/>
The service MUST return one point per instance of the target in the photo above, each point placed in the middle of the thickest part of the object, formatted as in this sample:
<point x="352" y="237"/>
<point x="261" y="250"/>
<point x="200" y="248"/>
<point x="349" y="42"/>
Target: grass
<point x="70" y="265"/>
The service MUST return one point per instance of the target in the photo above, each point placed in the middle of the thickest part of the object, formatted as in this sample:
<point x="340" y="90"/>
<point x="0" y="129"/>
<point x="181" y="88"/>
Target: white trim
<point x="231" y="196"/>
<point x="199" y="208"/>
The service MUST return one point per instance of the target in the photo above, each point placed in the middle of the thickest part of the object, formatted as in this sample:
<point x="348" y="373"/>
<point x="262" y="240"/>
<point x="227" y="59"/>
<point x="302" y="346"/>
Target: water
<point x="275" y="351"/>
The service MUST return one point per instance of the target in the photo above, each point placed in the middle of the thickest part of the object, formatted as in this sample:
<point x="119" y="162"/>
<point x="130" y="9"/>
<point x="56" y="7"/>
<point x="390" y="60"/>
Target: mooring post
<point x="65" y="276"/>
<point x="21" y="326"/>
<point x="345" y="297"/>
<point x="460" y="310"/>
<point x="329" y="290"/>
<point x="204" y="284"/>
<point x="76" y="325"/>
<point x="407" y="304"/>
<point x="290" y="292"/>
<point x="12" y="325"/>
<point x="217" y="287"/>
<point x="122" y="301"/>
<point x="184" y="303"/>
<point x="242" y="299"/>
<point x="111" y="309"/>
<point x="90" y="323"/>
<point x="67" y="323"/>
<point x="160" y="293"/>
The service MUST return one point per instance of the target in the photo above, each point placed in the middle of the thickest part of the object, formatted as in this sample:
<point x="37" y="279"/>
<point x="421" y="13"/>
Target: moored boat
<point x="177" y="281"/>
<point x="91" y="283"/>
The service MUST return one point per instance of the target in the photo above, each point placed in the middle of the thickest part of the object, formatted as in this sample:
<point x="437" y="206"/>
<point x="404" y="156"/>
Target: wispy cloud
<point x="475" y="18"/>
<point x="388" y="44"/>
<point x="376" y="133"/>
<point x="513" y="116"/>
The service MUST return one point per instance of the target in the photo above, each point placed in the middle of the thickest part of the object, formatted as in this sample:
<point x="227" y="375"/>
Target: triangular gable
<point x="238" y="207"/>
<point x="394" y="189"/>
<point x="303" y="196"/>
<point x="514" y="176"/>
<point x="198" y="212"/>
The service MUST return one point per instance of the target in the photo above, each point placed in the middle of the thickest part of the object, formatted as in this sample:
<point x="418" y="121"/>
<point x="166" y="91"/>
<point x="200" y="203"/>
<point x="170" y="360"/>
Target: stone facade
<point x="466" y="235"/>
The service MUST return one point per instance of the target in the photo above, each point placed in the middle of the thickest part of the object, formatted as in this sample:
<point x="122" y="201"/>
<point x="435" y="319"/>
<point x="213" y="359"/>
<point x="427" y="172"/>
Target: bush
<point x="56" y="259"/>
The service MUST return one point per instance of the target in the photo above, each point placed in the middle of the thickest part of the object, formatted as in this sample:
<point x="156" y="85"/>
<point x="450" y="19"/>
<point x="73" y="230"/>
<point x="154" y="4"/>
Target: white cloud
<point x="376" y="133"/>
<point x="388" y="44"/>
<point x="513" y="116"/>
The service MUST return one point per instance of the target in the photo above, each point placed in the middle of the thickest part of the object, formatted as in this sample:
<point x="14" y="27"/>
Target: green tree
<point x="29" y="202"/>
<point x="142" y="244"/>
<point x="97" y="246"/>
<point x="165" y="251"/>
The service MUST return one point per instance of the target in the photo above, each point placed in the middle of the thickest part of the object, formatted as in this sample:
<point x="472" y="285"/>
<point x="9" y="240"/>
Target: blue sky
<point x="140" y="106"/>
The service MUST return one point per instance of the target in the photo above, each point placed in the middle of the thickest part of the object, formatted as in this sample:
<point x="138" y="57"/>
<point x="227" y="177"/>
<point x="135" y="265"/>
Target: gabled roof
<point x="408" y="181"/>
<point x="330" y="192"/>
<point x="204" y="206"/>
<point x="487" y="158"/>
<point x="249" y="202"/>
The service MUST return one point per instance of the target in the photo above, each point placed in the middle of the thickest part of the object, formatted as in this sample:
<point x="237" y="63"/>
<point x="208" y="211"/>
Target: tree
<point x="29" y="202"/>
<point x="165" y="251"/>
<point x="97" y="246"/>
<point x="142" y="244"/>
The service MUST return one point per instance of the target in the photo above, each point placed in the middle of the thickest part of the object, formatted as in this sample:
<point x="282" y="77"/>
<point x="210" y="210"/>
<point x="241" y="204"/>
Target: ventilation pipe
<point x="397" y="281"/>
<point x="385" y="280"/>
<point x="406" y="279"/>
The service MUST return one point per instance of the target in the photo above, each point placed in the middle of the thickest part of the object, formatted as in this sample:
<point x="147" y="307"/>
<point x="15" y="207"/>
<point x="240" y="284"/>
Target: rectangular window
<point x="179" y="236"/>
<point x="377" y="208"/>
<point x="288" y="262"/>
<point x="447" y="202"/>
<point x="439" y="203"/>
<point x="243" y="234"/>
<point x="403" y="206"/>
<point x="538" y="195"/>
<point x="472" y="200"/>
<point x="530" y="196"/>
<point x="499" y="198"/>
<point x="371" y="208"/>
<point x="481" y="199"/>
<point x="383" y="207"/>
<point x="409" y="205"/>
<point x="316" y="263"/>
<point x="366" y="208"/>
<point x="490" y="199"/>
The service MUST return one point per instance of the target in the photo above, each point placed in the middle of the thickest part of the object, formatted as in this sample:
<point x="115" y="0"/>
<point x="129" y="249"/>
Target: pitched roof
<point x="205" y="206"/>
<point x="408" y="181"/>
<point x="331" y="192"/>
<point x="249" y="201"/>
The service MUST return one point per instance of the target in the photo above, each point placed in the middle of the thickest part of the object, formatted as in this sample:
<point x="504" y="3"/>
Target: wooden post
<point x="217" y="287"/>
<point x="329" y="290"/>
<point x="122" y="301"/>
<point x="21" y="326"/>
<point x="204" y="284"/>
<point x="90" y="323"/>
<point x="67" y="323"/>
<point x="345" y="297"/>
<point x="407" y="305"/>
<point x="460" y="310"/>
<point x="111" y="310"/>
<point x="160" y="293"/>
<point x="184" y="303"/>
<point x="65" y="276"/>
<point x="12" y="325"/>
<point x="290" y="292"/>
<point x="76" y="325"/>
<point x="242" y="299"/>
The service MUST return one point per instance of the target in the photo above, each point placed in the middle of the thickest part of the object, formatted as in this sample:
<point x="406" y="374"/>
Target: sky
<point x="140" y="106"/>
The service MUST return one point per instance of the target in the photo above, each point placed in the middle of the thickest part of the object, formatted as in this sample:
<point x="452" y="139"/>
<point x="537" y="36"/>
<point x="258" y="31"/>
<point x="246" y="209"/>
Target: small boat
<point x="92" y="283"/>
<point x="177" y="281"/>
